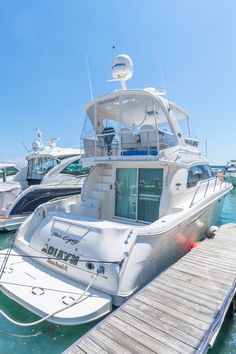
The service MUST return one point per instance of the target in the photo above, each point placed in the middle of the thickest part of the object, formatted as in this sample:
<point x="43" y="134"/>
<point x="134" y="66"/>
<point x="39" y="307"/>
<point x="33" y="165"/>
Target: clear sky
<point x="43" y="75"/>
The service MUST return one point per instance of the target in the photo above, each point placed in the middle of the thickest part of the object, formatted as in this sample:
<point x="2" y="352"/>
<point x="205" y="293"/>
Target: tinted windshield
<point x="76" y="169"/>
<point x="38" y="167"/>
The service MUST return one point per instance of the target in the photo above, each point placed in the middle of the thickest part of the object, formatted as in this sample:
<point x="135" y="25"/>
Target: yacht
<point x="148" y="198"/>
<point x="40" y="160"/>
<point x="230" y="173"/>
<point x="61" y="181"/>
<point x="8" y="171"/>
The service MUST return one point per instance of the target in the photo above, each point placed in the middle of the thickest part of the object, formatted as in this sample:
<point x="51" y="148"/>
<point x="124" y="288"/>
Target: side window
<point x="76" y="169"/>
<point x="10" y="171"/>
<point x="198" y="173"/>
<point x="207" y="172"/>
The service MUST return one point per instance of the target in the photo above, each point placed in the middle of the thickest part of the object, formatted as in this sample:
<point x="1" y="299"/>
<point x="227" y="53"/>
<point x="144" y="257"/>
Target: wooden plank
<point x="199" y="313"/>
<point x="167" y="341"/>
<point x="172" y="312"/>
<point x="123" y="339"/>
<point x="188" y="288"/>
<point x="220" y="251"/>
<point x="143" y="338"/>
<point x="225" y="253"/>
<point x="75" y="350"/>
<point x="216" y="258"/>
<point x="191" y="295"/>
<point x="90" y="347"/>
<point x="215" y="271"/>
<point x="225" y="244"/>
<point x="180" y="300"/>
<point x="216" y="255"/>
<point x="208" y="259"/>
<point x="168" y="319"/>
<point x="105" y="342"/>
<point x="172" y="331"/>
<point x="220" y="289"/>
<point x="222" y="280"/>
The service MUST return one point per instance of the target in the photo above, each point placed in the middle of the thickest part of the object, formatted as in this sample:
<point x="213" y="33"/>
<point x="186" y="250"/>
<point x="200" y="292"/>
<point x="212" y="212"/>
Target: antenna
<point x="89" y="76"/>
<point x="206" y="148"/>
<point x="25" y="147"/>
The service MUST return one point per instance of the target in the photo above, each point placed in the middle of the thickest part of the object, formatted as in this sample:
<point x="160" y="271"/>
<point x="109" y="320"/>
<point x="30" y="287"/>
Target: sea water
<point x="49" y="338"/>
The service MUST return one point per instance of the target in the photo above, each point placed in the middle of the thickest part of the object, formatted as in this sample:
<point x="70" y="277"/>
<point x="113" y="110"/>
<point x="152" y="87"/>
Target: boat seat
<point x="128" y="140"/>
<point x="148" y="137"/>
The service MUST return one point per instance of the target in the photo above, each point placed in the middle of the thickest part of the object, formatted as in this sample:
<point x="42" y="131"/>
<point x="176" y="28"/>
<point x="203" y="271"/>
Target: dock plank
<point x="172" y="331"/>
<point x="165" y="318"/>
<point x="88" y="346"/>
<point x="180" y="311"/>
<point x="138" y="335"/>
<point x="165" y="341"/>
<point x="191" y="295"/>
<point x="128" y="343"/>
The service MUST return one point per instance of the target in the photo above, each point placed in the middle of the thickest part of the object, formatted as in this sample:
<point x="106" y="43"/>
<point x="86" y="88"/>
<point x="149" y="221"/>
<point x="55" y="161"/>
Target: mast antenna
<point x="89" y="76"/>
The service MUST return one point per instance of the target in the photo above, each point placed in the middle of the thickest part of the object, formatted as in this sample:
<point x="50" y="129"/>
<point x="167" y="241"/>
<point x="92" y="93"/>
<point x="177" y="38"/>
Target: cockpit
<point x="131" y="122"/>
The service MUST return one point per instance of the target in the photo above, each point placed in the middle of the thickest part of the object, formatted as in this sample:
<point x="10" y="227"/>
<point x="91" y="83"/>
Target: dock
<point x="180" y="311"/>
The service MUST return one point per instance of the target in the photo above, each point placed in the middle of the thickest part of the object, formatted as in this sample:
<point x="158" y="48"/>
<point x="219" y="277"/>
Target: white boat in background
<point x="230" y="174"/>
<point x="8" y="171"/>
<point x="40" y="161"/>
<point x="65" y="179"/>
<point x="149" y="197"/>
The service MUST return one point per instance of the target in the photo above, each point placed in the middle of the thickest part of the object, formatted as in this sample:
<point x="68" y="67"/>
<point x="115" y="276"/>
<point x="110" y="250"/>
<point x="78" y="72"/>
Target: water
<point x="49" y="338"/>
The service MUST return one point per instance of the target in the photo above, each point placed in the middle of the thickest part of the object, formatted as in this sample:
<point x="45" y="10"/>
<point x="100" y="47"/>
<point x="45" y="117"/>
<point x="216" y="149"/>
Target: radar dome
<point x="122" y="67"/>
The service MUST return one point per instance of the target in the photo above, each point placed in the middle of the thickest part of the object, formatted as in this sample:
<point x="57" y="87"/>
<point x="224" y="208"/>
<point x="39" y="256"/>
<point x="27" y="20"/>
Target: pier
<point x="180" y="311"/>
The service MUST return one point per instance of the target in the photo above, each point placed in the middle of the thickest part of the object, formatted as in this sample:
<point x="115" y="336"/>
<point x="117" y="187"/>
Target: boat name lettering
<point x="60" y="254"/>
<point x="67" y="239"/>
<point x="58" y="265"/>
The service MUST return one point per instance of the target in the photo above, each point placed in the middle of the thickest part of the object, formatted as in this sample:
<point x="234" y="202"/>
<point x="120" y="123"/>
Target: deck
<point x="180" y="311"/>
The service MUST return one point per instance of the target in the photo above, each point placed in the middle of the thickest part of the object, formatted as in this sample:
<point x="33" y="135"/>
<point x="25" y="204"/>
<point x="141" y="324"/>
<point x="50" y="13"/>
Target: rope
<point x="7" y="255"/>
<point x="51" y="314"/>
<point x="57" y="259"/>
<point x="20" y="335"/>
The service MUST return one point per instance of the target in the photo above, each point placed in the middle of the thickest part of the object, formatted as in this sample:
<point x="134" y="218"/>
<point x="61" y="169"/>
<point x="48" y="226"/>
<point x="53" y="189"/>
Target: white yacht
<point x="8" y="171"/>
<point x="61" y="181"/>
<point x="41" y="159"/>
<point x="230" y="173"/>
<point x="149" y="196"/>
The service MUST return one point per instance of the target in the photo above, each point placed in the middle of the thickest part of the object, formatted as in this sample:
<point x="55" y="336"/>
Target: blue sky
<point x="43" y="75"/>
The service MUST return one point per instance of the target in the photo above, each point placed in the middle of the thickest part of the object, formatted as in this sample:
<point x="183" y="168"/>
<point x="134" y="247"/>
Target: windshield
<point x="76" y="169"/>
<point x="38" y="167"/>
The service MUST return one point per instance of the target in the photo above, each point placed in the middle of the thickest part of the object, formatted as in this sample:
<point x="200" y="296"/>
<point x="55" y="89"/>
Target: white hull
<point x="164" y="249"/>
<point x="158" y="251"/>
<point x="45" y="287"/>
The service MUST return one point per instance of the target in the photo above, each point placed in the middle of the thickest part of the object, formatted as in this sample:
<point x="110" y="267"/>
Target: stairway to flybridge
<point x="92" y="203"/>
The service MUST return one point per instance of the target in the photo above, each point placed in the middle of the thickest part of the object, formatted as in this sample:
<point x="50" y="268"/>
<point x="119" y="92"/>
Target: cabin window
<point x="9" y="171"/>
<point x="76" y="169"/>
<point x="198" y="173"/>
<point x="38" y="167"/>
<point x="138" y="193"/>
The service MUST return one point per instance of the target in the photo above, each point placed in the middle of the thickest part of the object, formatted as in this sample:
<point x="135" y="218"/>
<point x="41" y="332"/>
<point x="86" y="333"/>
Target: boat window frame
<point x="203" y="169"/>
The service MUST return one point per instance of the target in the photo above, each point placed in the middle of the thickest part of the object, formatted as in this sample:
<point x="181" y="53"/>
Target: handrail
<point x="207" y="182"/>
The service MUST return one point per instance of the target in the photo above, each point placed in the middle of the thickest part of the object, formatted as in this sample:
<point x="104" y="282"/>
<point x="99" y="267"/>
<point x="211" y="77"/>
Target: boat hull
<point x="160" y="250"/>
<point x="45" y="293"/>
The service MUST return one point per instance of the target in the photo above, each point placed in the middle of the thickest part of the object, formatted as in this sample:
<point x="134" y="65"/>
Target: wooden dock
<point x="181" y="311"/>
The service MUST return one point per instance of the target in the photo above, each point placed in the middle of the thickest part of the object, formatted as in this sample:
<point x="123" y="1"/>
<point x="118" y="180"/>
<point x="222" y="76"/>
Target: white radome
<point x="122" y="67"/>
